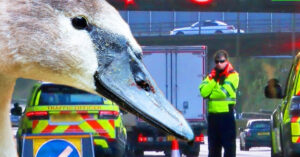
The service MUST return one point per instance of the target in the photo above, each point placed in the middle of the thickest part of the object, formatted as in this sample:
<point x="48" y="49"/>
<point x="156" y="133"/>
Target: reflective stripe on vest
<point x="220" y="106"/>
<point x="226" y="99"/>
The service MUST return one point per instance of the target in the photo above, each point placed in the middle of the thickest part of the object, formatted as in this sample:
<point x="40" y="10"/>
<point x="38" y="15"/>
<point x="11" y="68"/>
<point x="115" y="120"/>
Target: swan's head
<point x="84" y="44"/>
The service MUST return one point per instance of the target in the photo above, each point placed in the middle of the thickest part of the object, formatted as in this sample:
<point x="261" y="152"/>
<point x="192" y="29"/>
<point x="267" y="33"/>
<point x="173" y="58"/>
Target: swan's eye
<point x="79" y="22"/>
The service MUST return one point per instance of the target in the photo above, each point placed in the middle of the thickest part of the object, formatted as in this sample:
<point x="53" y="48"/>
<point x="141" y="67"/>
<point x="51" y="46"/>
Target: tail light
<point x="108" y="114"/>
<point x="199" y="138"/>
<point x="230" y="27"/>
<point x="142" y="138"/>
<point x="37" y="115"/>
<point x="295" y="106"/>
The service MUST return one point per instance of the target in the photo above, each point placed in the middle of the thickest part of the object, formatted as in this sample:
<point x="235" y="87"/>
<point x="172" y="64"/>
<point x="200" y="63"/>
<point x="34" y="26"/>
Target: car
<point x="207" y="27"/>
<point x="256" y="134"/>
<point x="285" y="120"/>
<point x="61" y="110"/>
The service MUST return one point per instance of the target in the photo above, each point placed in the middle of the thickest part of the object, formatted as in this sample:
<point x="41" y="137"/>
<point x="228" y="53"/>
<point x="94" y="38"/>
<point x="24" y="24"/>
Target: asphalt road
<point x="253" y="152"/>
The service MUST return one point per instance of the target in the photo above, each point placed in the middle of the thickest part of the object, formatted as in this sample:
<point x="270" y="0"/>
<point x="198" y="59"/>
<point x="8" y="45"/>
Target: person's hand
<point x="212" y="74"/>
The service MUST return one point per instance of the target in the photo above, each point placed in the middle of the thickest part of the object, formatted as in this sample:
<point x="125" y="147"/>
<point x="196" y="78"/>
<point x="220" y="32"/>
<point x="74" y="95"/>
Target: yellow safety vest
<point x="220" y="96"/>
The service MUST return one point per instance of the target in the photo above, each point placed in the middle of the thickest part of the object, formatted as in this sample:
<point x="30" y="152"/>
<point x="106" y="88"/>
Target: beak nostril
<point x="143" y="84"/>
<point x="140" y="78"/>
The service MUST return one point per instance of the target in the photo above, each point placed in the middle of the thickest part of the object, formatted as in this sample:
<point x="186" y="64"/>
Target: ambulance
<point x="61" y="110"/>
<point x="285" y="119"/>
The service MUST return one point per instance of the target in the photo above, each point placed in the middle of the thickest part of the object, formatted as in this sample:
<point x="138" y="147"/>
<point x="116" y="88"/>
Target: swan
<point x="81" y="43"/>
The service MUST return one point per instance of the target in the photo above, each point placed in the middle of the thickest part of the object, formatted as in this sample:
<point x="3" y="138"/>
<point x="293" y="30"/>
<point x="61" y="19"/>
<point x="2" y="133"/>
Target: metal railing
<point x="254" y="26"/>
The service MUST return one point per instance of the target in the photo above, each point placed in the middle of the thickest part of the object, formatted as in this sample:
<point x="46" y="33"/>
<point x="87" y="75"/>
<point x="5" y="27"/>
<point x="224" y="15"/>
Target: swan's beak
<point x="123" y="78"/>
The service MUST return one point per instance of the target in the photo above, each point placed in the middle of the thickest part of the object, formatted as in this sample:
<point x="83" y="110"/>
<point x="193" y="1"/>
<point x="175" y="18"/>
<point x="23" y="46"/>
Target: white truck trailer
<point x="178" y="71"/>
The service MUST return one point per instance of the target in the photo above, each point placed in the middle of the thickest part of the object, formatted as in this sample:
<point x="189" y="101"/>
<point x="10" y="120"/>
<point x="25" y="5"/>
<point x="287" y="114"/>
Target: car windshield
<point x="63" y="95"/>
<point x="260" y="125"/>
<point x="221" y="23"/>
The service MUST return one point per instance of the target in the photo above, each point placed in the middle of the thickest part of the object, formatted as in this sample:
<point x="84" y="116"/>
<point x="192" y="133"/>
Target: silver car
<point x="207" y="27"/>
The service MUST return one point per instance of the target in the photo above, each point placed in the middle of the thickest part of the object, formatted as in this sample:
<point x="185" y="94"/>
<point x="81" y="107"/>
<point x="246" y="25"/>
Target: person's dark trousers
<point x="221" y="133"/>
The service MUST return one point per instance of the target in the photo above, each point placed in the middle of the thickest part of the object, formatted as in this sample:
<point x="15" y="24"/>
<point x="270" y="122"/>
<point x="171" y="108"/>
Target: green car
<point x="256" y="134"/>
<point x="285" y="120"/>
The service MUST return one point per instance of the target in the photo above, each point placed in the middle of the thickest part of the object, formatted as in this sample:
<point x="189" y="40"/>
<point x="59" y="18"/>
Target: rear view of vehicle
<point x="58" y="109"/>
<point x="256" y="134"/>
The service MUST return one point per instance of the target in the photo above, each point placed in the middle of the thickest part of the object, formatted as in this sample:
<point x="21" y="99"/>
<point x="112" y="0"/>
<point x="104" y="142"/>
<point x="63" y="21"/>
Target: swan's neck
<point x="7" y="144"/>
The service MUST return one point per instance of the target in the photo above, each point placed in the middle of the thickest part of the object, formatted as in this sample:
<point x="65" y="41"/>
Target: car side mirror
<point x="273" y="89"/>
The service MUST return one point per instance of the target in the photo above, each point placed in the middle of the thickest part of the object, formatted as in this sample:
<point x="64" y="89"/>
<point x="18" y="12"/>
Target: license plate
<point x="66" y="118"/>
<point x="170" y="138"/>
<point x="263" y="133"/>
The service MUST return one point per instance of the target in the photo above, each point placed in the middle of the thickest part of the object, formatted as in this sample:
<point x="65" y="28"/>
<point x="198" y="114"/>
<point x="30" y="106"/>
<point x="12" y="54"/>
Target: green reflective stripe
<point x="231" y="85"/>
<point x="101" y="142"/>
<point x="225" y="91"/>
<point x="37" y="98"/>
<point x="202" y="84"/>
<point x="230" y="91"/>
<point x="206" y="87"/>
<point x="40" y="126"/>
<point x="201" y="88"/>
<point x="226" y="99"/>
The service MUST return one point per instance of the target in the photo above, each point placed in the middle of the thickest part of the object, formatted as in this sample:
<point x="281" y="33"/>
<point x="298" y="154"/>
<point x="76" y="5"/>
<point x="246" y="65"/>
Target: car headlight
<point x="172" y="32"/>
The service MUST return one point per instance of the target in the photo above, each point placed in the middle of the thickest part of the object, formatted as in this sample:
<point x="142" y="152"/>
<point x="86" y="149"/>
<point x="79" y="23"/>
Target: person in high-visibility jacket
<point x="220" y="88"/>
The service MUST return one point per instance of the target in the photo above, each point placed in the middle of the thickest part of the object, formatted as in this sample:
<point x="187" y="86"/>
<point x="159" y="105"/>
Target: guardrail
<point x="268" y="25"/>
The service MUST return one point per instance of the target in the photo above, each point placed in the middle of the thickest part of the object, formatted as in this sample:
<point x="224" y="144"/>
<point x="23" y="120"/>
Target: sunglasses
<point x="219" y="61"/>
